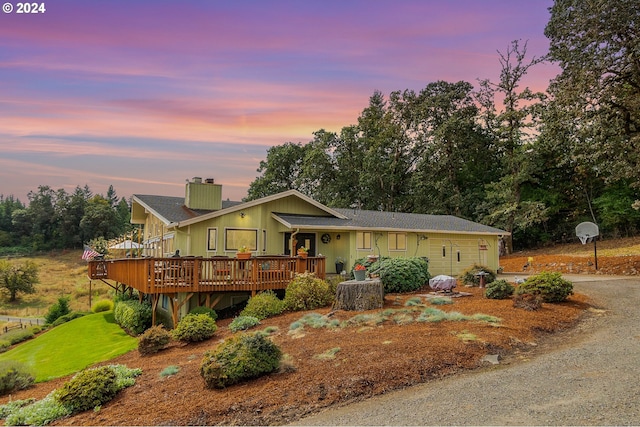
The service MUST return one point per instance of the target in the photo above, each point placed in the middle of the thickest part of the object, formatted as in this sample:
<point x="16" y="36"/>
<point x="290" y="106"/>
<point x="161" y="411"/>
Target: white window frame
<point x="214" y="231"/>
<point x="361" y="240"/>
<point x="252" y="246"/>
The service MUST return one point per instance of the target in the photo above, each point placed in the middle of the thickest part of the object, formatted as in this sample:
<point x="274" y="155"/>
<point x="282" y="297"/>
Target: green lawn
<point x="73" y="346"/>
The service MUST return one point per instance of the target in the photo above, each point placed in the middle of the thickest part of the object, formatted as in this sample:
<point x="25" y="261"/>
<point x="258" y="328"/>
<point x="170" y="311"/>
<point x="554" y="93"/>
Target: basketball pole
<point x="595" y="251"/>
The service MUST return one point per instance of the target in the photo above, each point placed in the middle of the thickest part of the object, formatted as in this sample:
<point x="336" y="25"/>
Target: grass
<point x="61" y="274"/>
<point x="90" y="339"/>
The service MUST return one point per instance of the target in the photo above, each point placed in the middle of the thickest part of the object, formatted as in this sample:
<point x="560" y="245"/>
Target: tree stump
<point x="357" y="295"/>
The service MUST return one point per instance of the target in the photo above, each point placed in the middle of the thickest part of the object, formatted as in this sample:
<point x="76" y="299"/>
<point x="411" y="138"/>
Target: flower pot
<point x="243" y="255"/>
<point x="360" y="275"/>
<point x="303" y="254"/>
<point x="339" y="267"/>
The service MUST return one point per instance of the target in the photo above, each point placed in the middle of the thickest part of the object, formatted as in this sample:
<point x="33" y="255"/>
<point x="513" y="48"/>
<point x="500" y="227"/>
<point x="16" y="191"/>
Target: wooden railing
<point x="194" y="274"/>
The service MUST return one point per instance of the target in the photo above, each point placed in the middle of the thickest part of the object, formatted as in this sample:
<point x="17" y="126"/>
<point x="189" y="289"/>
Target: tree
<point x="597" y="45"/>
<point x="513" y="128"/>
<point x="18" y="278"/>
<point x="99" y="219"/>
<point x="279" y="172"/>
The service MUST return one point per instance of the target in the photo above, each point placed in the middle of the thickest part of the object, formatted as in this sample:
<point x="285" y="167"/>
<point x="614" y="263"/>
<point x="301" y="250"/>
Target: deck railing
<point x="195" y="274"/>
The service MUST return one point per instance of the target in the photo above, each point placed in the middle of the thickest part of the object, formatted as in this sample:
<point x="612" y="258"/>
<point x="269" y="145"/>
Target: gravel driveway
<point x="589" y="376"/>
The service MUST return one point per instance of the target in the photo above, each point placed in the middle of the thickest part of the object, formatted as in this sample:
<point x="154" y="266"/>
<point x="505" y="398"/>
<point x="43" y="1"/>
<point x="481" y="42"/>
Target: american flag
<point x="89" y="253"/>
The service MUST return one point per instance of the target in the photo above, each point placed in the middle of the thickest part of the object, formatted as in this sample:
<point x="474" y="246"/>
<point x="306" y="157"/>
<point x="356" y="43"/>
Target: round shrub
<point x="549" y="285"/>
<point x="102" y="305"/>
<point x="403" y="274"/>
<point x="499" y="289"/>
<point x="307" y="292"/>
<point x="263" y="305"/>
<point x="153" y="340"/>
<point x="469" y="276"/>
<point x="239" y="358"/>
<point x="204" y="310"/>
<point x="58" y="309"/>
<point x="14" y="376"/>
<point x="242" y="323"/>
<point x="88" y="389"/>
<point x="194" y="328"/>
<point x="67" y="318"/>
<point x="133" y="316"/>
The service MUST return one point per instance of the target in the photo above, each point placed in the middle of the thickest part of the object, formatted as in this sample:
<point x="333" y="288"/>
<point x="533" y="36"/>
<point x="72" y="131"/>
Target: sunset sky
<point x="142" y="95"/>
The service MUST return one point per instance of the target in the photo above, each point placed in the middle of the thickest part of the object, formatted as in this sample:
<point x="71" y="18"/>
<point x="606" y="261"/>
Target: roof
<point x="173" y="211"/>
<point x="387" y="221"/>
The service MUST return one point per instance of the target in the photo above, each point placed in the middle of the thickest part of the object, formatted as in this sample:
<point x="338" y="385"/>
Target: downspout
<point x="293" y="235"/>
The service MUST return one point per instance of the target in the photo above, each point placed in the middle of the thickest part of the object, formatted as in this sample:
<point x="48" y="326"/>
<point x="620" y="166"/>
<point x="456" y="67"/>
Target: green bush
<point x="39" y="413"/>
<point x="239" y="358"/>
<point x="205" y="310"/>
<point x="404" y="274"/>
<point x="88" y="389"/>
<point x="58" y="309"/>
<point x="242" y="323"/>
<point x="550" y="285"/>
<point x="4" y="345"/>
<point x="469" y="276"/>
<point x="263" y="305"/>
<point x="14" y="375"/>
<point x="194" y="328"/>
<point x="16" y="336"/>
<point x="102" y="305"/>
<point x="153" y="340"/>
<point x="499" y="289"/>
<point x="133" y="316"/>
<point x="67" y="318"/>
<point x="307" y="292"/>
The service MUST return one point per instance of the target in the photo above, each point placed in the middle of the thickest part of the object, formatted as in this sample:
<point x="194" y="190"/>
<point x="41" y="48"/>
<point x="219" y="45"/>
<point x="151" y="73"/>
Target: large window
<point x="235" y="238"/>
<point x="212" y="239"/>
<point x="363" y="240"/>
<point x="397" y="241"/>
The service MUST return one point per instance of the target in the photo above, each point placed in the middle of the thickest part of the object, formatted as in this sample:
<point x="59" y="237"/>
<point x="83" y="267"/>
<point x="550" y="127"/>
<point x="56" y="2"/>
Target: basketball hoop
<point x="588" y="231"/>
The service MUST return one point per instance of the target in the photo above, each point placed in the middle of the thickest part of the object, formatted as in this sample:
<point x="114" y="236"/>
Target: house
<point x="210" y="231"/>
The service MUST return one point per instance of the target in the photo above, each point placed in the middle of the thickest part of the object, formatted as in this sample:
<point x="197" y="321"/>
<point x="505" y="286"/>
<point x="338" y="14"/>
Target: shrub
<point x="263" y="305"/>
<point x="4" y="345"/>
<point x="239" y="358"/>
<point x="58" y="309"/>
<point x="67" y="318"/>
<point x="16" y="336"/>
<point x="204" y="310"/>
<point x="195" y="327"/>
<point x="529" y="302"/>
<point x="14" y="375"/>
<point x="88" y="389"/>
<point x="470" y="278"/>
<point x="549" y="285"/>
<point x="133" y="316"/>
<point x="39" y="413"/>
<point x="307" y="292"/>
<point x="242" y="323"/>
<point x="102" y="305"/>
<point x="153" y="340"/>
<point x="402" y="274"/>
<point x="499" y="289"/>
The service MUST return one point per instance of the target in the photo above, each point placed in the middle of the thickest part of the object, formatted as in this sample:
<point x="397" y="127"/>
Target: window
<point x="363" y="240"/>
<point x="444" y="251"/>
<point x="458" y="256"/>
<point x="235" y="238"/>
<point x="264" y="240"/>
<point x="212" y="239"/>
<point x="397" y="241"/>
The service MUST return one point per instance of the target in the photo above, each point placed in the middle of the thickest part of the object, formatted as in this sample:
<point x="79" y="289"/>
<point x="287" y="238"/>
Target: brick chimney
<point x="203" y="195"/>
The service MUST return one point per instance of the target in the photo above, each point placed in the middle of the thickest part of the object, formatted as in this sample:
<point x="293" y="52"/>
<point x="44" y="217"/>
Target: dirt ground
<point x="367" y="360"/>
<point x="371" y="360"/>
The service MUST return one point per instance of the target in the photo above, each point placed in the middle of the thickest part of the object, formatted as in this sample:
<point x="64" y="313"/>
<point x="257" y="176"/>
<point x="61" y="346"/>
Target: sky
<point x="145" y="94"/>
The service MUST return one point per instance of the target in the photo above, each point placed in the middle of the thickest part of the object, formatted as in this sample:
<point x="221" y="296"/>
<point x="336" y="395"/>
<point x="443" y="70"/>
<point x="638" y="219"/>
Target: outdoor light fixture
<point x="242" y="214"/>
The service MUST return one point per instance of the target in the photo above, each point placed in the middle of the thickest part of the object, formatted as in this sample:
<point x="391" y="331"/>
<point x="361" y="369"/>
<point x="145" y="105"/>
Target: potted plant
<point x="303" y="252"/>
<point x="243" y="253"/>
<point x="339" y="265"/>
<point x="360" y="272"/>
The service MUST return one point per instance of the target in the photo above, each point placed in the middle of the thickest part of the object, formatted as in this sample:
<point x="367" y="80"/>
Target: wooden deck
<point x="205" y="275"/>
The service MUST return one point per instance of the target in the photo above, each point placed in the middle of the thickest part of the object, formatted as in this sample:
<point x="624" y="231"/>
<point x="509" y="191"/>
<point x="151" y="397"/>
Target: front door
<point x="308" y="240"/>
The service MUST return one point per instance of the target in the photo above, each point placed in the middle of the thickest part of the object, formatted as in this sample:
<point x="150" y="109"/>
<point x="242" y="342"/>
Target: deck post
<point x="301" y="265"/>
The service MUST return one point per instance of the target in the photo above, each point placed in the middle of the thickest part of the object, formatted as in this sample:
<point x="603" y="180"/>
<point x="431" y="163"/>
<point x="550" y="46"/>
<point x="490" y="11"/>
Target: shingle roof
<point x="372" y="220"/>
<point x="173" y="209"/>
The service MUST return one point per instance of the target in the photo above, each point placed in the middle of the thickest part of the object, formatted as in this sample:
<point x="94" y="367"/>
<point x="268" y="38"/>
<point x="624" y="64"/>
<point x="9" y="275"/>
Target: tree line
<point x="532" y="163"/>
<point x="56" y="219"/>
